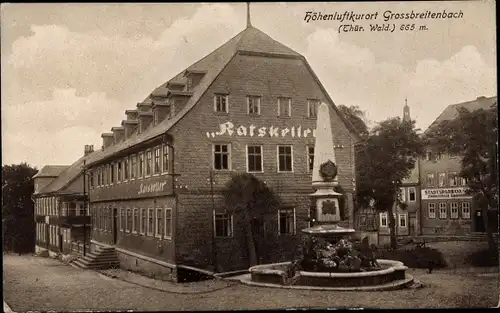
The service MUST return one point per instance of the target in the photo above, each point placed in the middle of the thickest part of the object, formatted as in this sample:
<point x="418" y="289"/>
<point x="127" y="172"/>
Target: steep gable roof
<point x="248" y="40"/>
<point x="451" y="111"/>
<point x="65" y="178"/>
<point x="50" y="171"/>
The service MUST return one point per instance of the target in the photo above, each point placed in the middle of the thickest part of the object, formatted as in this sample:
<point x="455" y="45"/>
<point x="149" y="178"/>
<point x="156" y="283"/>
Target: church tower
<point x="406" y="112"/>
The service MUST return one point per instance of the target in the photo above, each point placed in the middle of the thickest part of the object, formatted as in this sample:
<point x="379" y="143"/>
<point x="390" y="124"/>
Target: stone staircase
<point x="101" y="258"/>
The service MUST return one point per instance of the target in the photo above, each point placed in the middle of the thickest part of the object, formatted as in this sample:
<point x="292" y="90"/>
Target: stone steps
<point x="101" y="258"/>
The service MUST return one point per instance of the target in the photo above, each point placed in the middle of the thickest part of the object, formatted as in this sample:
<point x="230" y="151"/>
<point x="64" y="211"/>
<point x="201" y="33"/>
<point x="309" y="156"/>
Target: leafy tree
<point x="354" y="115"/>
<point x="18" y="218"/>
<point x="473" y="136"/>
<point x="245" y="194"/>
<point x="383" y="162"/>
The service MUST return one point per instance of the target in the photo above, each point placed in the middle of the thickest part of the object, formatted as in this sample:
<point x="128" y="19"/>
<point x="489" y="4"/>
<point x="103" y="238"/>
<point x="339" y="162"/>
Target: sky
<point x="69" y="71"/>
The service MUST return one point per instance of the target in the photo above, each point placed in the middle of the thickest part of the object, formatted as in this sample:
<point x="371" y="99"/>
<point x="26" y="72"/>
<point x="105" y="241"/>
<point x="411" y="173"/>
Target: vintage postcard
<point x="225" y="156"/>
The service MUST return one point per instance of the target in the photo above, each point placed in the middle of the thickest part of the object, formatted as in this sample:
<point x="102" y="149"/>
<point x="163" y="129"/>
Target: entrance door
<point x="115" y="226"/>
<point x="478" y="222"/>
<point x="61" y="241"/>
<point x="258" y="238"/>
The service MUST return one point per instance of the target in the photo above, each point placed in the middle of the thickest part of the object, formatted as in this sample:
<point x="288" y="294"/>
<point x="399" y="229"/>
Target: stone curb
<point x="391" y="286"/>
<point x="6" y="308"/>
<point x="163" y="289"/>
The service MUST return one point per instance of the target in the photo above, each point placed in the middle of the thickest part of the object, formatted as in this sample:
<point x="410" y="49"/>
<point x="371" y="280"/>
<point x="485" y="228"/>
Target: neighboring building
<point x="407" y="219"/>
<point x="249" y="106"/>
<point x="59" y="208"/>
<point x="446" y="209"/>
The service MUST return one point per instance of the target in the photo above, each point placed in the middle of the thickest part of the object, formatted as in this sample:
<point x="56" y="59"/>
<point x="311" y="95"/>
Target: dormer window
<point x="221" y="104"/>
<point x="156" y="117"/>
<point x="189" y="84"/>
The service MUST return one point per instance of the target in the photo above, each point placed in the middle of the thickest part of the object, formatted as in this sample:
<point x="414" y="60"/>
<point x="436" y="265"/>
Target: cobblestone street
<point x="35" y="283"/>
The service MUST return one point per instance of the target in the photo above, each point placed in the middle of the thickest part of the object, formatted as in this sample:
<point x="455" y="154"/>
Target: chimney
<point x="145" y="119"/>
<point x="107" y="140"/>
<point x="160" y="112"/>
<point x="130" y="127"/>
<point x="88" y="150"/>
<point x="118" y="134"/>
<point x="131" y="115"/>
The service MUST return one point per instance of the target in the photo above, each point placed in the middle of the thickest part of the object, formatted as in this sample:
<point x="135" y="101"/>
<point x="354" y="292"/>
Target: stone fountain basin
<point x="391" y="271"/>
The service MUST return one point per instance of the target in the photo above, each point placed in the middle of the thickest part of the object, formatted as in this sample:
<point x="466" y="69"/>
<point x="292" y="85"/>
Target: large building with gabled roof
<point x="248" y="106"/>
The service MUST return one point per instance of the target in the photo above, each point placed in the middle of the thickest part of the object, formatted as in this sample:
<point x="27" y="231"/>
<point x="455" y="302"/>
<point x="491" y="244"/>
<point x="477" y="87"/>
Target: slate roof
<point x="451" y="111"/>
<point x="66" y="177"/>
<point x="249" y="40"/>
<point x="50" y="171"/>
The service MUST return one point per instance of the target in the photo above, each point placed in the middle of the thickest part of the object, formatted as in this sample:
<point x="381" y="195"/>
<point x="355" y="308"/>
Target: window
<point x="221" y="157"/>
<point x="383" y="220"/>
<point x="156" y="118"/>
<point x="189" y="84"/>
<point x="165" y="159"/>
<point x="432" y="210"/>
<point x="430" y="179"/>
<point x="133" y="166"/>
<point x="149" y="162"/>
<point x="403" y="220"/>
<point x="129" y="220"/>
<point x="143" y="221"/>
<point x="168" y="223"/>
<point x="454" y="210"/>
<point x="136" y="221"/>
<point x="254" y="159"/>
<point x="98" y="177"/>
<point x="463" y="181"/>
<point x="141" y="165"/>
<point x="221" y="104"/>
<point x="466" y="210"/>
<point x="253" y="104"/>
<point x="223" y="225"/>
<point x="113" y="177"/>
<point x="312" y="108"/>
<point x="284" y="107"/>
<point x="442" y="210"/>
<point x="429" y="156"/>
<point x="126" y="169"/>
<point x="151" y="225"/>
<point x="412" y="194"/>
<point x="442" y="179"/>
<point x="310" y="157"/>
<point x="156" y="163"/>
<point x="119" y="172"/>
<point x="439" y="156"/>
<point x="122" y="219"/>
<point x="91" y="178"/>
<point x="403" y="194"/>
<point x="159" y="223"/>
<point x="285" y="159"/>
<point x="453" y="179"/>
<point x="286" y="221"/>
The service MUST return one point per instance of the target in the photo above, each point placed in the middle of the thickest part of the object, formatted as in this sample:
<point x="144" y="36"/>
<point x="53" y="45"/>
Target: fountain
<point x="328" y="257"/>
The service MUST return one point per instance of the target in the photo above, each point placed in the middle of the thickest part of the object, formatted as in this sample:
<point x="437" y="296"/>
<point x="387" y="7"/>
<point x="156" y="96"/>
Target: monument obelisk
<point x="324" y="175"/>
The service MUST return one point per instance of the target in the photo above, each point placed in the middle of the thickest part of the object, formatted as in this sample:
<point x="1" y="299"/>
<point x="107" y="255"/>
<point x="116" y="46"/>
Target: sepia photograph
<point x="249" y="156"/>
